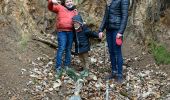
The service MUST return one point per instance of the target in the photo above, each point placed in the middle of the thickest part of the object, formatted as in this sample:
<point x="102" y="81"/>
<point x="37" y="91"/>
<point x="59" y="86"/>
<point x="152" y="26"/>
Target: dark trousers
<point x="115" y="53"/>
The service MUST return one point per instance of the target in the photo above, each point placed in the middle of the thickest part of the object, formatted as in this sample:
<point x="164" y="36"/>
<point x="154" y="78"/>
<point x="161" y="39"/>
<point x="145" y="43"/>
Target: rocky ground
<point x="146" y="82"/>
<point x="29" y="76"/>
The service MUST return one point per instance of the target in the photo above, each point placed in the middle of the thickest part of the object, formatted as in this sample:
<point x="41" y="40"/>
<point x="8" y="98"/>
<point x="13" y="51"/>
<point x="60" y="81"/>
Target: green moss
<point x="160" y="53"/>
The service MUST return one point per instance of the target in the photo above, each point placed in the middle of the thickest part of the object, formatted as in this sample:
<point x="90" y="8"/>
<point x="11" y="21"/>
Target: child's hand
<point x="100" y="35"/>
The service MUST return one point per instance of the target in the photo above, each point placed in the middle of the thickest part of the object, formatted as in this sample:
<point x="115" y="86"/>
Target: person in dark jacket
<point x="81" y="39"/>
<point x="115" y="21"/>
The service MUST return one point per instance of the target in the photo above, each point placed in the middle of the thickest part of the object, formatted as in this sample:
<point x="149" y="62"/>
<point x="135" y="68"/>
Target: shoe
<point x="80" y="69"/>
<point x="66" y="67"/>
<point x="58" y="71"/>
<point x="119" y="79"/>
<point x="111" y="76"/>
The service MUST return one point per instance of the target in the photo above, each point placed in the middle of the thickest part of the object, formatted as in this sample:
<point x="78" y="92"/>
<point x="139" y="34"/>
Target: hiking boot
<point x="58" y="70"/>
<point x="119" y="79"/>
<point x="80" y="69"/>
<point x="66" y="67"/>
<point x="111" y="76"/>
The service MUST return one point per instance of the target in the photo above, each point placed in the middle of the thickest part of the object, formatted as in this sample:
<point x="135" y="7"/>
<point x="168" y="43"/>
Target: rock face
<point x="92" y="12"/>
<point x="150" y="19"/>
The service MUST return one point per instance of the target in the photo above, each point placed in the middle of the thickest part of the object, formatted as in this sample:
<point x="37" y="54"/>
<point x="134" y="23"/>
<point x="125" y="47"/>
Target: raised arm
<point x="54" y="5"/>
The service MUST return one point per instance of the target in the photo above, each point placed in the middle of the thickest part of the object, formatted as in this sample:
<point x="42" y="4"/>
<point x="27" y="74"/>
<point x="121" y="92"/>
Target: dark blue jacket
<point x="81" y="39"/>
<point x="116" y="16"/>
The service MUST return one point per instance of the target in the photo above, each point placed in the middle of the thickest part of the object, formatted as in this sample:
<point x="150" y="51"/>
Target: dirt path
<point x="14" y="60"/>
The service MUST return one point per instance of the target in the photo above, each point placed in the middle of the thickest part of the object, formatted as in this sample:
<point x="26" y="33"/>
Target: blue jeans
<point x="65" y="40"/>
<point x="115" y="53"/>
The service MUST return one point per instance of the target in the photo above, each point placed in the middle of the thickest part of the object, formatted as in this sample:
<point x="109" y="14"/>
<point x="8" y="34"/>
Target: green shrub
<point x="160" y="53"/>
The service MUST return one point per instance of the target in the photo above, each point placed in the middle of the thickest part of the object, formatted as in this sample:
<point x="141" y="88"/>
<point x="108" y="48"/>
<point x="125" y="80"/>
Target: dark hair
<point x="63" y="2"/>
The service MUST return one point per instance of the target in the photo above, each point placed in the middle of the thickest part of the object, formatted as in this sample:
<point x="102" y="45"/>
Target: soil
<point x="13" y="59"/>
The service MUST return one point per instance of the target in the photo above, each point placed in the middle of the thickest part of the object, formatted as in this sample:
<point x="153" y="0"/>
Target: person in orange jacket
<point x="64" y="26"/>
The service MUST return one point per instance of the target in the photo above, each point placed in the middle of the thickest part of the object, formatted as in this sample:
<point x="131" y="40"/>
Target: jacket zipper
<point x="77" y="41"/>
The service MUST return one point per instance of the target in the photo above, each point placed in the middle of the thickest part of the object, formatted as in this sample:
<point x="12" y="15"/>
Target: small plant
<point x="73" y="74"/>
<point x="24" y="41"/>
<point x="160" y="53"/>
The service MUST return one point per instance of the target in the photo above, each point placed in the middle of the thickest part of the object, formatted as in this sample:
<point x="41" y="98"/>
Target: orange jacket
<point x="64" y="16"/>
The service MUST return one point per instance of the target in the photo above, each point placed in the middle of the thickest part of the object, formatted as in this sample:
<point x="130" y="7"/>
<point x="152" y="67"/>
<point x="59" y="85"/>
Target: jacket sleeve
<point x="53" y="7"/>
<point x="90" y="33"/>
<point x="103" y="24"/>
<point x="124" y="11"/>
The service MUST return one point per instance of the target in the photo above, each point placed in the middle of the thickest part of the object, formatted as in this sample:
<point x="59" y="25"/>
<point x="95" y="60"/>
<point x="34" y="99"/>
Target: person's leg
<point x="110" y="42"/>
<point x="61" y="47"/>
<point x="82" y="61"/>
<point x="68" y="49"/>
<point x="119" y="58"/>
<point x="86" y="60"/>
<point x="119" y="62"/>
